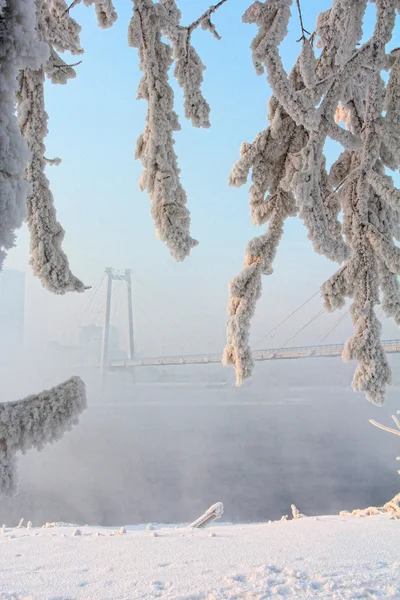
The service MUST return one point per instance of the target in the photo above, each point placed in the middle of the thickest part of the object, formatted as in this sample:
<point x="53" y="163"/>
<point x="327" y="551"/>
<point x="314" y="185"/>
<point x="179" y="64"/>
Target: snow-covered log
<point x="212" y="514"/>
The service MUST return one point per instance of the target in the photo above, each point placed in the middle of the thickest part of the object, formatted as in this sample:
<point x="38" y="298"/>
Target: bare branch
<point x="303" y="31"/>
<point x="70" y="7"/>
<point x="67" y="66"/>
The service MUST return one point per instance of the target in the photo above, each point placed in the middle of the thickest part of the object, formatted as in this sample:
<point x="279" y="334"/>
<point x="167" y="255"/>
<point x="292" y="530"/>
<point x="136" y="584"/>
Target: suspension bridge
<point x="114" y="281"/>
<point x="325" y="351"/>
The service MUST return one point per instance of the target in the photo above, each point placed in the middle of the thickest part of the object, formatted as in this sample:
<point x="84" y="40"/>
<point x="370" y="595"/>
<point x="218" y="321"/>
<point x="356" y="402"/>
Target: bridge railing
<point x="326" y="350"/>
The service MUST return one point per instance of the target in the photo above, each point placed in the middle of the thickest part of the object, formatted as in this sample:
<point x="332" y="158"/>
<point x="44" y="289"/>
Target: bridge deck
<point x="328" y="351"/>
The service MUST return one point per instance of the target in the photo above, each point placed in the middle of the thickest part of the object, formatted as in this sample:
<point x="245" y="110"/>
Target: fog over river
<point x="163" y="452"/>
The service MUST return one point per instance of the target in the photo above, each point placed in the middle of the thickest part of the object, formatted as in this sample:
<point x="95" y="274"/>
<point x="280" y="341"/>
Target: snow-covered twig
<point x="394" y="504"/>
<point x="389" y="429"/>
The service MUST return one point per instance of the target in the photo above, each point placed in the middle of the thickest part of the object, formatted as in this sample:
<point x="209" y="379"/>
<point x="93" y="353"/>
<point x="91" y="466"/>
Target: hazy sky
<point x="94" y="123"/>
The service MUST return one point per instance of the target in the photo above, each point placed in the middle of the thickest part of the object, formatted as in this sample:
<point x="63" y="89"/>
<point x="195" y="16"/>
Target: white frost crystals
<point x="34" y="422"/>
<point x="289" y="175"/>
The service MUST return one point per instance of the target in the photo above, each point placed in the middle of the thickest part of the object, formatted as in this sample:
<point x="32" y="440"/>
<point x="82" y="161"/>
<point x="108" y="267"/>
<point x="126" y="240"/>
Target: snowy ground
<point x="325" y="557"/>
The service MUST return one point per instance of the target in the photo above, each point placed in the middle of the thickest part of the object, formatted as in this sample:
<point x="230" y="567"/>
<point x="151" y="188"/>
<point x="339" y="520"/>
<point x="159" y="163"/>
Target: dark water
<point x="164" y="453"/>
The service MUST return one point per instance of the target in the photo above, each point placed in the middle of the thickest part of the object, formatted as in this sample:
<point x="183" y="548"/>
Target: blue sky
<point x="94" y="122"/>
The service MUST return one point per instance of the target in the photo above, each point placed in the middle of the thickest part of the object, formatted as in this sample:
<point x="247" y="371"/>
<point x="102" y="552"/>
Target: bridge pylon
<point x="111" y="276"/>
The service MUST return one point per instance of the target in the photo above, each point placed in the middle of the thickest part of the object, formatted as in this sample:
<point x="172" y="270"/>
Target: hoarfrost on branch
<point x="30" y="35"/>
<point x="342" y="85"/>
<point x="34" y="422"/>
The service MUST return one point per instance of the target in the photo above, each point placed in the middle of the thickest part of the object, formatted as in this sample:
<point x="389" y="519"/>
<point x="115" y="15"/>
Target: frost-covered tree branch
<point x="155" y="147"/>
<point x="30" y="36"/>
<point x="35" y="422"/>
<point x="341" y="85"/>
<point x="105" y="11"/>
<point x="54" y="31"/>
<point x="20" y="48"/>
<point x="48" y="260"/>
<point x="31" y="32"/>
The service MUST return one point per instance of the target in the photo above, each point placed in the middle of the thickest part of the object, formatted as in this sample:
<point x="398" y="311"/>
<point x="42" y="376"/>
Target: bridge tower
<point x="113" y="275"/>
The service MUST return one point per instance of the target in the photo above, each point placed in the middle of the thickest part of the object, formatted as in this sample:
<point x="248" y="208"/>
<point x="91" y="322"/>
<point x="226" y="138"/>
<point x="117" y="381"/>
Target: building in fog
<point x="91" y="337"/>
<point x="88" y="350"/>
<point x="12" y="309"/>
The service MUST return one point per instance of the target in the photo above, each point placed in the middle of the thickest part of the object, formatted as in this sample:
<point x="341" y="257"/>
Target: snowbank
<point x="324" y="557"/>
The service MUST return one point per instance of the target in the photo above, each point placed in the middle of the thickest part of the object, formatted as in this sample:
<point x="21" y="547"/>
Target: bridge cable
<point x="88" y="301"/>
<point x="314" y="318"/>
<point x="100" y="309"/>
<point x="268" y="334"/>
<point x="139" y="307"/>
<point x="97" y="310"/>
<point x="162" y="311"/>
<point x="116" y="302"/>
<point x="333" y="327"/>
<point x="138" y="295"/>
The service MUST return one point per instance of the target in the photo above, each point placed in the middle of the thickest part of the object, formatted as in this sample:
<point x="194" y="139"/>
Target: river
<point x="165" y="452"/>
